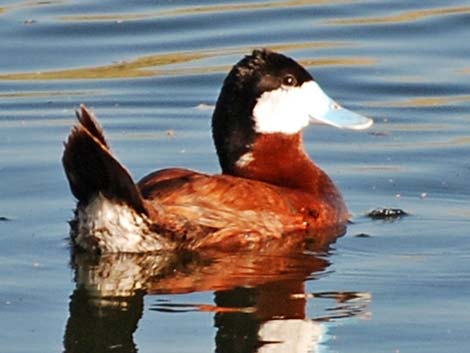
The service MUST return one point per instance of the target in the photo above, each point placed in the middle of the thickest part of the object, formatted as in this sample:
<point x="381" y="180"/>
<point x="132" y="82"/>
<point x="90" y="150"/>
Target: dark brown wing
<point x="238" y="210"/>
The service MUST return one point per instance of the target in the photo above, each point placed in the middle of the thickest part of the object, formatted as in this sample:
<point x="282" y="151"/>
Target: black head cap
<point x="232" y="123"/>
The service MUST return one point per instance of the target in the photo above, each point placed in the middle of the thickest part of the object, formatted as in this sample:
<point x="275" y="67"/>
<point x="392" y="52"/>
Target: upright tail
<point x="91" y="169"/>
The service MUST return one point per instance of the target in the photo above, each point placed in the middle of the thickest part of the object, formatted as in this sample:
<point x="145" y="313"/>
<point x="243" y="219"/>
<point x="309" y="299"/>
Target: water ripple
<point x="199" y="10"/>
<point x="146" y="66"/>
<point x="403" y="17"/>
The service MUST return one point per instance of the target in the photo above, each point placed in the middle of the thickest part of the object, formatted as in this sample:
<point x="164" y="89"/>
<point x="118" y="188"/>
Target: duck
<point x="268" y="190"/>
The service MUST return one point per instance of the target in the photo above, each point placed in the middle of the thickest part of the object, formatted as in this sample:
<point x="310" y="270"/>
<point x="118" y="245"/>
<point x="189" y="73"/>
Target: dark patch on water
<point x="362" y="235"/>
<point x="387" y="214"/>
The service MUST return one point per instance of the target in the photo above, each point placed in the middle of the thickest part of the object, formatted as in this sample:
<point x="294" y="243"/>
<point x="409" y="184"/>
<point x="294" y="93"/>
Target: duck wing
<point x="233" y="210"/>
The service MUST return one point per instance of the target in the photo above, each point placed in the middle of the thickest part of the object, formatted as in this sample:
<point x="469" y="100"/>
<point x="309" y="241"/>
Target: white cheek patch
<point x="289" y="109"/>
<point x="283" y="110"/>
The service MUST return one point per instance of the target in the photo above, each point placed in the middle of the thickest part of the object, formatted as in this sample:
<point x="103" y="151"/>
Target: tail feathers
<point x="92" y="169"/>
<point x="88" y="120"/>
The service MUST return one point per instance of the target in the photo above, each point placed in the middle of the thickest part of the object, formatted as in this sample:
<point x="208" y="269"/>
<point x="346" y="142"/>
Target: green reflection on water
<point x="30" y="4"/>
<point x="409" y="16"/>
<point x="194" y="10"/>
<point x="343" y="61"/>
<point x="146" y="66"/>
<point x="424" y="101"/>
<point x="45" y="94"/>
<point x="134" y="68"/>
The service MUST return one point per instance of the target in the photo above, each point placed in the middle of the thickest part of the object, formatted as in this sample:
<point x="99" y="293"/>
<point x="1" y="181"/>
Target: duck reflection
<point x="260" y="298"/>
<point x="102" y="324"/>
<point x="278" y="323"/>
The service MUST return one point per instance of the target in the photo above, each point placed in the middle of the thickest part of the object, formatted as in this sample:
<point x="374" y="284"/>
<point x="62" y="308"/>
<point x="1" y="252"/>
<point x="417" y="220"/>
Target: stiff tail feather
<point x="91" y="169"/>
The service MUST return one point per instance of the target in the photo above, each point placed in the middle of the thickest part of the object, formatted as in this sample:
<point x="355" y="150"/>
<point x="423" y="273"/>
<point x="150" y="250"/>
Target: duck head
<point x="267" y="93"/>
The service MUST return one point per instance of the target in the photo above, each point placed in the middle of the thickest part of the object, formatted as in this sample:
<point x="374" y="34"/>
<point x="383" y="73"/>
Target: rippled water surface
<point x="152" y="70"/>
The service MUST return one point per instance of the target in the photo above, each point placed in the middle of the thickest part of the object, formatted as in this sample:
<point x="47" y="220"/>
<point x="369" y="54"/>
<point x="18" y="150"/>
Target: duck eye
<point x="289" y="80"/>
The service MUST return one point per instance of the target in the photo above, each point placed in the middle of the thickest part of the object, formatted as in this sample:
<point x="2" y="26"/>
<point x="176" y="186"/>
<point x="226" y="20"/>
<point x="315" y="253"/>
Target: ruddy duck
<point x="268" y="189"/>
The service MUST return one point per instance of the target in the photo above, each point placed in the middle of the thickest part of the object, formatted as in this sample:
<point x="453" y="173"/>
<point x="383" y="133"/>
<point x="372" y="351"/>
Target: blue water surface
<point x="152" y="70"/>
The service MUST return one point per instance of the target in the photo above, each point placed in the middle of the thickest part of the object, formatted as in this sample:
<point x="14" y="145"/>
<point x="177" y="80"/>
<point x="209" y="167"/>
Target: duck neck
<point x="280" y="159"/>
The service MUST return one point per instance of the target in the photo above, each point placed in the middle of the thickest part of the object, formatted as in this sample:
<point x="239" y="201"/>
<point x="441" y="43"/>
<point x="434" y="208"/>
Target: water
<point x="152" y="71"/>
